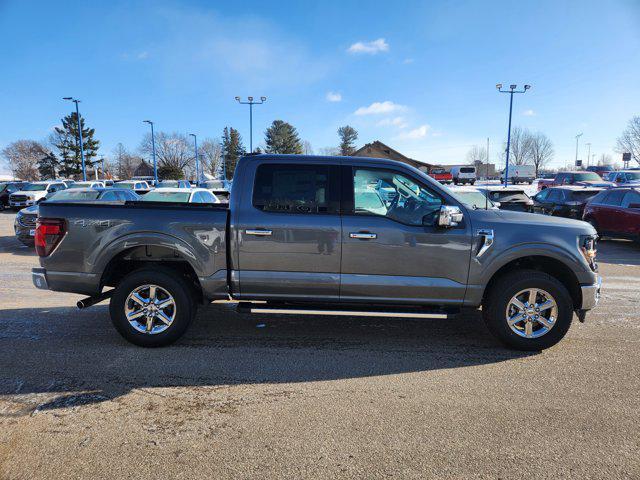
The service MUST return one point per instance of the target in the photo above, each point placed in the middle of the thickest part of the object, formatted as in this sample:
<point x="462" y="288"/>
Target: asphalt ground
<point x="244" y="396"/>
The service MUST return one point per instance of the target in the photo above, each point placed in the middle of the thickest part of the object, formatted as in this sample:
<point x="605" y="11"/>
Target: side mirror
<point x="449" y="216"/>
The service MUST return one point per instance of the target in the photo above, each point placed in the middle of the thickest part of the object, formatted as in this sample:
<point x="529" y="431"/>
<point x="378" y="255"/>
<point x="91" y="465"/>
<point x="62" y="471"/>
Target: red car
<point x="615" y="213"/>
<point x="441" y="175"/>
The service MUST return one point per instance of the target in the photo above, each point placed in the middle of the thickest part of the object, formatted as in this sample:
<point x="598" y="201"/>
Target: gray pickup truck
<point x="324" y="236"/>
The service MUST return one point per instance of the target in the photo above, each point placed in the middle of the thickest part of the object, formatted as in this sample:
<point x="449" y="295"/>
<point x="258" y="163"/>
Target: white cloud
<point x="380" y="107"/>
<point x="407" y="61"/>
<point x="143" y="55"/>
<point x="529" y="113"/>
<point x="334" y="97"/>
<point x="371" y="48"/>
<point x="399" y="122"/>
<point x="416" y="133"/>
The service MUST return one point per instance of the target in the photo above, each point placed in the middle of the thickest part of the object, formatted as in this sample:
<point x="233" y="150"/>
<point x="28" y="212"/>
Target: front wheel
<point x="528" y="310"/>
<point x="152" y="307"/>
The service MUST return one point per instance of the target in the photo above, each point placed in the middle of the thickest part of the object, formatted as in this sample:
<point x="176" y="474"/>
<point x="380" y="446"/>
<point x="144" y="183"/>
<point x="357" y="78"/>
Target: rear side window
<point x="296" y="189"/>
<point x="630" y="198"/>
<point x="614" y="198"/>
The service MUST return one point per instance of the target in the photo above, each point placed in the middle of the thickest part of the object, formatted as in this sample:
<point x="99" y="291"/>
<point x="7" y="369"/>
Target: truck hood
<point x="523" y="219"/>
<point x="31" y="193"/>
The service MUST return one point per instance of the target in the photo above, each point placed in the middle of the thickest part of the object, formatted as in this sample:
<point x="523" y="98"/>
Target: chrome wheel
<point x="150" y="309"/>
<point x="531" y="313"/>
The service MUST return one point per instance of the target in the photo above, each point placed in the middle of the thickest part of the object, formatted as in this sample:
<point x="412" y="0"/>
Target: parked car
<point x="33" y="192"/>
<point x="615" y="213"/>
<point x="173" y="184"/>
<point x="6" y="189"/>
<point x="566" y="202"/>
<point x="25" y="221"/>
<point x="520" y="174"/>
<point x="463" y="174"/>
<point x="220" y="188"/>
<point x="602" y="170"/>
<point x="585" y="179"/>
<point x="180" y="195"/>
<point x="441" y="175"/>
<point x="474" y="197"/>
<point x="89" y="184"/>
<point x="625" y="178"/>
<point x="508" y="198"/>
<point x="140" y="187"/>
<point x="299" y="238"/>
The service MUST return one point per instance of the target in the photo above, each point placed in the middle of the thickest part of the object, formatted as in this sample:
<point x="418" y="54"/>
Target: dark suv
<point x="563" y="201"/>
<point x="6" y="189"/>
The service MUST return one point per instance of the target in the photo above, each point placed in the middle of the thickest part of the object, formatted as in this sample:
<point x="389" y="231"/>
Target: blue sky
<point x="419" y="76"/>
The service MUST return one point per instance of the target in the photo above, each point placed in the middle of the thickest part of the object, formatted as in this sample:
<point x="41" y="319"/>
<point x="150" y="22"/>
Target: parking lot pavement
<point x="273" y="397"/>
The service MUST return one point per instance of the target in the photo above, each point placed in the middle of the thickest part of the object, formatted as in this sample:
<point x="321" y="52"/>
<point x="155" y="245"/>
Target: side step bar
<point x="279" y="309"/>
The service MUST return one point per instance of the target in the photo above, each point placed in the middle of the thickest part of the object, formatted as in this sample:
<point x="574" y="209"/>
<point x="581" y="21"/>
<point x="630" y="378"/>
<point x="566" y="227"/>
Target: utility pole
<point x="251" y="103"/>
<point x="511" y="91"/>
<point x="76" y="101"/>
<point x="153" y="151"/>
<point x="195" y="144"/>
<point x="577" y="138"/>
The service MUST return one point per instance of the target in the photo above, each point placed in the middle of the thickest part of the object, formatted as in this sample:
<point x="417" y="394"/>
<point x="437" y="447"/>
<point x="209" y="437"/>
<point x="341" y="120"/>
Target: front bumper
<point x="26" y="203"/>
<point x="591" y="294"/>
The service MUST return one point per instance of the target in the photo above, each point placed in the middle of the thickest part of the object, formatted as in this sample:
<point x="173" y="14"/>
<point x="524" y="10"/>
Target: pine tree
<point x="68" y="145"/>
<point x="348" y="136"/>
<point x="48" y="166"/>
<point x="232" y="150"/>
<point x="282" y="137"/>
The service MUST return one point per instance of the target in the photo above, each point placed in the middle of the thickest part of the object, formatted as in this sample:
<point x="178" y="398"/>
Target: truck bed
<point x="97" y="233"/>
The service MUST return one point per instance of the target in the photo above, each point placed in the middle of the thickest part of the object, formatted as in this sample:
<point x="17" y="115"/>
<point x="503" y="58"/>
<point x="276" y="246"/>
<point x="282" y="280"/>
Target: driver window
<point x="395" y="196"/>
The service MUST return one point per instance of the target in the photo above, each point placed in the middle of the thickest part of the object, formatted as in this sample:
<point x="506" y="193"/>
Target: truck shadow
<point x="10" y="244"/>
<point x="60" y="357"/>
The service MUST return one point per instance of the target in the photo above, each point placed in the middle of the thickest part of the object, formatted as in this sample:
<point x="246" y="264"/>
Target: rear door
<point x="288" y="232"/>
<point x="392" y="249"/>
<point x="611" y="212"/>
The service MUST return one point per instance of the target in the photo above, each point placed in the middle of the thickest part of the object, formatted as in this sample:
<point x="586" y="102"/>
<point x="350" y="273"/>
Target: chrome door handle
<point x="363" y="235"/>
<point x="259" y="233"/>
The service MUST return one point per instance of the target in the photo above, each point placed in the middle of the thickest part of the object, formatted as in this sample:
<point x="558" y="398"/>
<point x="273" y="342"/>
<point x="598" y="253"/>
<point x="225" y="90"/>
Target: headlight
<point x="588" y="250"/>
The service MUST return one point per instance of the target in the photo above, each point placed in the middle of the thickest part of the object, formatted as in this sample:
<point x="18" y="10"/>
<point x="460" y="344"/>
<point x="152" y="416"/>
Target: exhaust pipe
<point x="89" y="301"/>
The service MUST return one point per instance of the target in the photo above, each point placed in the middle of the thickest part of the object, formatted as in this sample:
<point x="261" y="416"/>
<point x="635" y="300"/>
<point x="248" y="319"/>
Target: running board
<point x="280" y="309"/>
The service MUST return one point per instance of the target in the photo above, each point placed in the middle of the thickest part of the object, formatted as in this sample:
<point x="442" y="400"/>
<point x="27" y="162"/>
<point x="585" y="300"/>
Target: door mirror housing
<point x="449" y="216"/>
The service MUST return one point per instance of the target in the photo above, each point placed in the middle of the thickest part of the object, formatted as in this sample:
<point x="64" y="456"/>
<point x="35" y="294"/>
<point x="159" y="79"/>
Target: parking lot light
<point x="195" y="144"/>
<point x="76" y="101"/>
<point x="251" y="103"/>
<point x="153" y="151"/>
<point x="511" y="91"/>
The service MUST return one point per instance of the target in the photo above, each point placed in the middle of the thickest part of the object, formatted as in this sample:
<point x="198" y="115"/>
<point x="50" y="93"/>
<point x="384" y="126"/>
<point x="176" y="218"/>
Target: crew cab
<point x="33" y="193"/>
<point x="584" y="179"/>
<point x="441" y="175"/>
<point x="314" y="235"/>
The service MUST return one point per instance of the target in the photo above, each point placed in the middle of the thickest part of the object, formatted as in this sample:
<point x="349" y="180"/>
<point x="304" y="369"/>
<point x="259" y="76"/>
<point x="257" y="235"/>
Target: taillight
<point x="49" y="232"/>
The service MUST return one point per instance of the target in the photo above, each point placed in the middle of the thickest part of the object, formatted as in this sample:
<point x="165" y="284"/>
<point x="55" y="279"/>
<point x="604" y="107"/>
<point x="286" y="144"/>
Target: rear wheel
<point x="528" y="310"/>
<point x="152" y="307"/>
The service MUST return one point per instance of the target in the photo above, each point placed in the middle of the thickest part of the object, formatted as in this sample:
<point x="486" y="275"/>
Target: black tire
<point x="185" y="306"/>
<point x="496" y="301"/>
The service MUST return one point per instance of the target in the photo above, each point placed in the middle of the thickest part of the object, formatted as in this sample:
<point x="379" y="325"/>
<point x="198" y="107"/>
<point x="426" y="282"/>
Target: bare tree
<point x="124" y="163"/>
<point x="329" y="151"/>
<point x="477" y="155"/>
<point x="541" y="150"/>
<point x="173" y="150"/>
<point x="307" y="149"/>
<point x="605" y="159"/>
<point x="629" y="141"/>
<point x="210" y="153"/>
<point x="22" y="157"/>
<point x="520" y="147"/>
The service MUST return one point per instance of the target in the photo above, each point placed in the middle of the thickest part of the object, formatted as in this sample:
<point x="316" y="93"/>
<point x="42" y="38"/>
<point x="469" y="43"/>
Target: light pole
<point x="195" y="144"/>
<point x="511" y="91"/>
<point x="76" y="101"/>
<point x="153" y="151"/>
<point x="251" y="103"/>
<point x="577" y="138"/>
<point x="588" y="154"/>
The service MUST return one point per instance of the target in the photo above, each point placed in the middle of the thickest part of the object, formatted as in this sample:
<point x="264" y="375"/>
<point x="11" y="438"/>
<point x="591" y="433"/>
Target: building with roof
<point x="377" y="149"/>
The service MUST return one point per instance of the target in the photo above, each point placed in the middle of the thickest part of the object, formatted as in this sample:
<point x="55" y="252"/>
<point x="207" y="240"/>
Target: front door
<point x="392" y="249"/>
<point x="289" y="233"/>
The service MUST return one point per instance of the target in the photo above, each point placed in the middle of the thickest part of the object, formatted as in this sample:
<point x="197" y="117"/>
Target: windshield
<point x="3" y="187"/>
<point x="473" y="199"/>
<point x="34" y="187"/>
<point x="508" y="196"/>
<point x="468" y="170"/>
<point x="168" y="183"/>
<point x="71" y="195"/>
<point x="214" y="184"/>
<point x="129" y="185"/>
<point x="83" y="185"/>
<point x="583" y="195"/>
<point x="587" y="177"/>
<point x="156" y="196"/>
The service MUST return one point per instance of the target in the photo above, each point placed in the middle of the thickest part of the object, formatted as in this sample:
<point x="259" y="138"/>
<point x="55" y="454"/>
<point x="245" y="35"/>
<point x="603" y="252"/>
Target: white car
<point x="181" y="195"/>
<point x="95" y="184"/>
<point x="520" y="174"/>
<point x="33" y="192"/>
